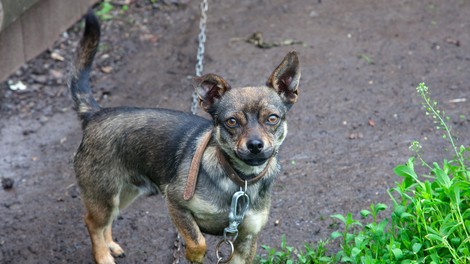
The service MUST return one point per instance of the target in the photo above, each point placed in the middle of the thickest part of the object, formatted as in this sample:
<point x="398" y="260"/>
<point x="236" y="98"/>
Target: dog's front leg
<point x="188" y="228"/>
<point x="246" y="243"/>
<point x="245" y="249"/>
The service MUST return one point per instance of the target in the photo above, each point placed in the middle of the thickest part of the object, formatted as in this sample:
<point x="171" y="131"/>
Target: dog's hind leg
<point x="127" y="195"/>
<point x="98" y="220"/>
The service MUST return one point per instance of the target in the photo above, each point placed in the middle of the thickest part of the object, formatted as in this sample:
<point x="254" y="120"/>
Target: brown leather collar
<point x="194" y="168"/>
<point x="232" y="174"/>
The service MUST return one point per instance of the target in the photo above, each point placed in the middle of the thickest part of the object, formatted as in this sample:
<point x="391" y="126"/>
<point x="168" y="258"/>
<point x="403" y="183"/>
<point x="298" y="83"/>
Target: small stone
<point x="356" y="135"/>
<point x="18" y="86"/>
<point x="56" y="74"/>
<point x="7" y="183"/>
<point x="39" y="78"/>
<point x="43" y="120"/>
<point x="107" y="69"/>
<point x="105" y="56"/>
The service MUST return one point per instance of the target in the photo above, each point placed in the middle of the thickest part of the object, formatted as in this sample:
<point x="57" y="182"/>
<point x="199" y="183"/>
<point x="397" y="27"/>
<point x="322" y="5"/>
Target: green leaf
<point x="408" y="173"/>
<point x="455" y="241"/>
<point x="365" y="213"/>
<point x="336" y="234"/>
<point x="434" y="237"/>
<point x="380" y="207"/>
<point x="340" y="217"/>
<point x="407" y="215"/>
<point x="405" y="171"/>
<point x="355" y="251"/>
<point x="441" y="177"/>
<point x="417" y="247"/>
<point x="397" y="253"/>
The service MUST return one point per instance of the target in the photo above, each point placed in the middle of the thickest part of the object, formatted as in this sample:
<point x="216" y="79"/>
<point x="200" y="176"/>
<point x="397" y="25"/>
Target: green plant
<point x="289" y="255"/>
<point x="104" y="10"/>
<point x="429" y="221"/>
<point x="366" y="58"/>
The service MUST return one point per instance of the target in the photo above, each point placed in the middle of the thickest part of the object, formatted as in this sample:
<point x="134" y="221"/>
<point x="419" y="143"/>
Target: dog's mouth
<point x="255" y="162"/>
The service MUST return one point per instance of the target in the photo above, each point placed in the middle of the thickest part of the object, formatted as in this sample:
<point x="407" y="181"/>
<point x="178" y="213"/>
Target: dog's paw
<point x="196" y="255"/>
<point x="116" y="250"/>
<point x="105" y="259"/>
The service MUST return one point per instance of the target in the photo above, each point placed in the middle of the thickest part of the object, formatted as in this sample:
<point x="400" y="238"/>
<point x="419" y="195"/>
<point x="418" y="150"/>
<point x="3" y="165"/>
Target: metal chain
<point x="177" y="249"/>
<point x="200" y="50"/>
<point x="199" y="69"/>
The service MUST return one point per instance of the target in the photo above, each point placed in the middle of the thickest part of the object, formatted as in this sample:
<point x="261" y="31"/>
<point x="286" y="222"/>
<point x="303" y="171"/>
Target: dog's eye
<point x="231" y="122"/>
<point x="273" y="119"/>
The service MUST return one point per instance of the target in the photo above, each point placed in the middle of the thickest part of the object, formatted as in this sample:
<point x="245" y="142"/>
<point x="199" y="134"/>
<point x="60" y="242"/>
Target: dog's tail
<point x="79" y="84"/>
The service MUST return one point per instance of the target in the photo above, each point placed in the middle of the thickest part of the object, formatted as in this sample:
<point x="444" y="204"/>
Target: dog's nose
<point x="255" y="146"/>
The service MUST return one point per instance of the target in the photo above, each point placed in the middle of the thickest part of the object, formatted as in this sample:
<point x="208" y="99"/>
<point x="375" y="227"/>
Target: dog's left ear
<point x="210" y="88"/>
<point x="285" y="78"/>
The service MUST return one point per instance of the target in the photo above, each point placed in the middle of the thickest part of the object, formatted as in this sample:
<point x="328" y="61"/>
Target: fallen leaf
<point x="56" y="56"/>
<point x="371" y="123"/>
<point x="106" y="69"/>
<point x="452" y="41"/>
<point x="149" y="37"/>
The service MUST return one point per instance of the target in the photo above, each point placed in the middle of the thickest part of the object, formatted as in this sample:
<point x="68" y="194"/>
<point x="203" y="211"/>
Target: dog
<point x="126" y="152"/>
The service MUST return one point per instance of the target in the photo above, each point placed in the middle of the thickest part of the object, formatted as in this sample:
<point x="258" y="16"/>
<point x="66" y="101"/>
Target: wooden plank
<point x="36" y="30"/>
<point x="13" y="9"/>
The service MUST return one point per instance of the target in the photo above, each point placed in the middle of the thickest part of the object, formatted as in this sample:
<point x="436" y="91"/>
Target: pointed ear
<point x="285" y="78"/>
<point x="210" y="88"/>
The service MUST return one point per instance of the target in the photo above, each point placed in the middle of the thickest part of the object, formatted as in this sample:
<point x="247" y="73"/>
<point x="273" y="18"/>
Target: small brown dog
<point x="126" y="152"/>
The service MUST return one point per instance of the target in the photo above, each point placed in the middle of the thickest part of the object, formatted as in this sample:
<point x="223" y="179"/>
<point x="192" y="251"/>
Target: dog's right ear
<point x="285" y="78"/>
<point x="210" y="88"/>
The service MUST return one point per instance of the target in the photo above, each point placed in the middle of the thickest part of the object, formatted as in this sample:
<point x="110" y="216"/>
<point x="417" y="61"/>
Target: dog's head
<point x="250" y="122"/>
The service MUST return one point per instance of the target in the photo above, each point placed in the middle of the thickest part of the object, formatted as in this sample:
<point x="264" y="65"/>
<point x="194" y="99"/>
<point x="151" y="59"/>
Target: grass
<point x="428" y="222"/>
<point x="105" y="10"/>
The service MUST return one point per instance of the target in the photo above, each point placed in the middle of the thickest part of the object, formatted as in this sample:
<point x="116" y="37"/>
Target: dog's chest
<point x="213" y="219"/>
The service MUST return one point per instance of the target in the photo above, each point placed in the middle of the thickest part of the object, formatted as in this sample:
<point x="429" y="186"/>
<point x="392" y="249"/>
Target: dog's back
<point x="147" y="139"/>
<point x="138" y="142"/>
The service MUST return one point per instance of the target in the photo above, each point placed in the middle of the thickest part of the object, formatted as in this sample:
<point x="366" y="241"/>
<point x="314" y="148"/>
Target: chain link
<point x="200" y="50"/>
<point x="199" y="69"/>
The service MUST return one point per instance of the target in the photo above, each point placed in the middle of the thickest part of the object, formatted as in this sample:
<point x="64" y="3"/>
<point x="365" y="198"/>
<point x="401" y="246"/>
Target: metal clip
<point x="238" y="208"/>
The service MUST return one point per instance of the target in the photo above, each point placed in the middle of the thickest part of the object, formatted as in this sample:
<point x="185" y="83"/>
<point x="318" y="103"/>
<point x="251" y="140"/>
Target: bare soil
<point x="357" y="114"/>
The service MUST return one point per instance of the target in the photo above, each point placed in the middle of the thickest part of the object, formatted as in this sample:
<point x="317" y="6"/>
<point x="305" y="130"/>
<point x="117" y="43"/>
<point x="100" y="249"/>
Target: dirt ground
<point x="357" y="113"/>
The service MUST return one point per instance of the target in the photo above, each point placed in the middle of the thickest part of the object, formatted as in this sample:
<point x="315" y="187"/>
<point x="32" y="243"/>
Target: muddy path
<point x="356" y="116"/>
